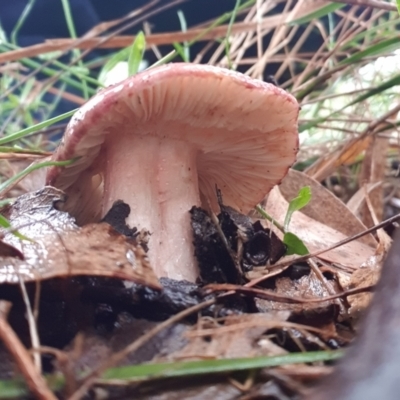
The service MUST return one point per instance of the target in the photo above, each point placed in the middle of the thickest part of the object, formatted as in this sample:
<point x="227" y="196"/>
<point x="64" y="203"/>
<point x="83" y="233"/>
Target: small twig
<point x="272" y="296"/>
<point x="33" y="378"/>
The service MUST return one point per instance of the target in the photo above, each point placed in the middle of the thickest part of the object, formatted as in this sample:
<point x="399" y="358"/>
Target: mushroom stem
<point x="158" y="178"/>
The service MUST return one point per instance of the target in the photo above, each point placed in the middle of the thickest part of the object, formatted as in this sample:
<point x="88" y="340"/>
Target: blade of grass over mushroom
<point x="398" y="5"/>
<point x="136" y="53"/>
<point x="32" y="168"/>
<point x="33" y="129"/>
<point x="185" y="48"/>
<point x="111" y="63"/>
<point x="228" y="33"/>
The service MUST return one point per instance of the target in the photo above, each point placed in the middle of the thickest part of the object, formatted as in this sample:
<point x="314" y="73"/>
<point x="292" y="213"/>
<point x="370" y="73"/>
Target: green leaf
<point x="186" y="368"/>
<point x="294" y="245"/>
<point x="136" y="52"/>
<point x="322" y="12"/>
<point x="296" y="204"/>
<point x="398" y="5"/>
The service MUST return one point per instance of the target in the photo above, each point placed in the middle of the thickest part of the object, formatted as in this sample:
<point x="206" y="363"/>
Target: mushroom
<point x="162" y="141"/>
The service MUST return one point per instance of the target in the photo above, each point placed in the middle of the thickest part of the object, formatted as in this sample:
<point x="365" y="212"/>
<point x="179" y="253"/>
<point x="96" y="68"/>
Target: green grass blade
<point x="21" y="20"/>
<point x="228" y="33"/>
<point x="390" y="83"/>
<point x="32" y="168"/>
<point x="15" y="389"/>
<point x="185" y="47"/>
<point x="187" y="368"/>
<point x="52" y="72"/>
<point x="381" y="48"/>
<point x="6" y="224"/>
<point x="7" y="149"/>
<point x="12" y="389"/>
<point x="136" y="53"/>
<point x="33" y="129"/>
<point x="322" y="12"/>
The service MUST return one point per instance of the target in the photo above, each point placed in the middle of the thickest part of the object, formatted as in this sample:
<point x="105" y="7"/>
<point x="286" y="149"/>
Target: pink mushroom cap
<point x="164" y="139"/>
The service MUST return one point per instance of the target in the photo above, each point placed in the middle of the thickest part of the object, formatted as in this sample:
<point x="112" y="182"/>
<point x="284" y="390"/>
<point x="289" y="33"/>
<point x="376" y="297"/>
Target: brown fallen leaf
<point x="368" y="274"/>
<point x="318" y="236"/>
<point x="239" y="336"/>
<point x="9" y="251"/>
<point x="373" y="169"/>
<point x="59" y="248"/>
<point x="324" y="206"/>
